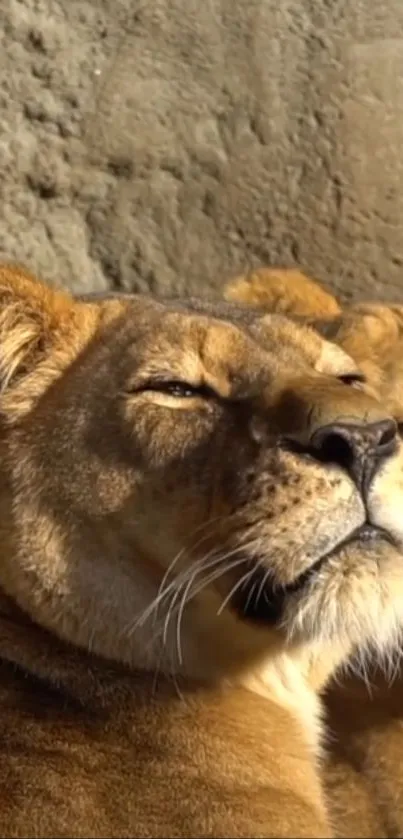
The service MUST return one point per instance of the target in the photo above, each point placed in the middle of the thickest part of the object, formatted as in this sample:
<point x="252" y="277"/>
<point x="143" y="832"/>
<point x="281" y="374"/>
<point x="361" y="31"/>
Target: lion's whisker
<point x="195" y="545"/>
<point x="212" y="577"/>
<point x="235" y="588"/>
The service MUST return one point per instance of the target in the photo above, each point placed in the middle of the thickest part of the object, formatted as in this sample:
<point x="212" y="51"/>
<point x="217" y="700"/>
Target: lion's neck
<point x="200" y="648"/>
<point x="75" y="673"/>
<point x="35" y="650"/>
<point x="283" y="682"/>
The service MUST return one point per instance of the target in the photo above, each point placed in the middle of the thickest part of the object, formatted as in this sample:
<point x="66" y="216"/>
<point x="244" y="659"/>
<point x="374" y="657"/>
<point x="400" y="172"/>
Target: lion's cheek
<point x="385" y="507"/>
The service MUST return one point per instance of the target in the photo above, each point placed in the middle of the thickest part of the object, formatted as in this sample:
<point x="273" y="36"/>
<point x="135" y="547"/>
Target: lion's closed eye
<point x="176" y="388"/>
<point x="355" y="379"/>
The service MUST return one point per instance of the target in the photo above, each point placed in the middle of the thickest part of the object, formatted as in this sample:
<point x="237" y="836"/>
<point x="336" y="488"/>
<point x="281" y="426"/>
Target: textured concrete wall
<point x="172" y="143"/>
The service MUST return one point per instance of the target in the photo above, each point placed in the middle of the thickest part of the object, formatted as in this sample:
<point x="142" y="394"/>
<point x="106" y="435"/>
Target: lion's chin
<point x="264" y="602"/>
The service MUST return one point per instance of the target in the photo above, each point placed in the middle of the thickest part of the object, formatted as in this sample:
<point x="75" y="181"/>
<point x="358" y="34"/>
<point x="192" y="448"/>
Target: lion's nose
<point x="359" y="448"/>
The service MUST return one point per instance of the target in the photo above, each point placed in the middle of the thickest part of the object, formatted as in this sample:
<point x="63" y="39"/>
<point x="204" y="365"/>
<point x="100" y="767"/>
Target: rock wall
<point x="169" y="144"/>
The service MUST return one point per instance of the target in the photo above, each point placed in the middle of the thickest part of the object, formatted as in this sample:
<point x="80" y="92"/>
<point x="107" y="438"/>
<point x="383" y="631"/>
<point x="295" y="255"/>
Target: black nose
<point x="359" y="448"/>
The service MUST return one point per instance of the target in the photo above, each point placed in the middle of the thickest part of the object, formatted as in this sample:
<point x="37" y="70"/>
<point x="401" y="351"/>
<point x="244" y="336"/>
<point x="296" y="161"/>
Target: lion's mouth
<point x="262" y="602"/>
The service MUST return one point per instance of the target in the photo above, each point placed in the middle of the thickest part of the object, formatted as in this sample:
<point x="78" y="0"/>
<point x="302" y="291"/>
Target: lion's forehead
<point x="216" y="338"/>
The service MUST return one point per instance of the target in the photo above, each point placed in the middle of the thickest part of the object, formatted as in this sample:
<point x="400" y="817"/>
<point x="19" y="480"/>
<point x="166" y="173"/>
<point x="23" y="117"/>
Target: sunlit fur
<point x="132" y="516"/>
<point x="284" y="291"/>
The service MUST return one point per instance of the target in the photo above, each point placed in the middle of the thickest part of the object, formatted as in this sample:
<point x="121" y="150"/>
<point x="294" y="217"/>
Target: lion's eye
<point x="181" y="390"/>
<point x="352" y="379"/>
<point x="178" y="389"/>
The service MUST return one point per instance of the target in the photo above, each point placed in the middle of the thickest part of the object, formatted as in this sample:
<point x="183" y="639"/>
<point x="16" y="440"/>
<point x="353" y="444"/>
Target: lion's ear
<point x="284" y="291"/>
<point x="32" y="316"/>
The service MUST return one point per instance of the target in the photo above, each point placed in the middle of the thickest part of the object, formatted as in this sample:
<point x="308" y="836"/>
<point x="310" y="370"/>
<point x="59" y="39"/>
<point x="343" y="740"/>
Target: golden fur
<point x="183" y="566"/>
<point x="364" y="770"/>
<point x="285" y="291"/>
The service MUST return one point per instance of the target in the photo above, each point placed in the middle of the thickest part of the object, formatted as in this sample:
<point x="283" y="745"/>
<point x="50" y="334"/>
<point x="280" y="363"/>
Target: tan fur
<point x="136" y="698"/>
<point x="282" y="290"/>
<point x="364" y="772"/>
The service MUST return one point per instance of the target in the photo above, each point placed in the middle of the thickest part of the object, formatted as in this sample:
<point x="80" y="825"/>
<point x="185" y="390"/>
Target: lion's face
<point x="191" y="488"/>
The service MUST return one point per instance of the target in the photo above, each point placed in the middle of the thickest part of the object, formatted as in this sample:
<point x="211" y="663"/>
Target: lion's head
<point x="192" y="488"/>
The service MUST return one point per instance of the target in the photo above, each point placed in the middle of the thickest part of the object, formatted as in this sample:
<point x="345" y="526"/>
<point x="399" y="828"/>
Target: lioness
<point x="364" y="770"/>
<point x="197" y="530"/>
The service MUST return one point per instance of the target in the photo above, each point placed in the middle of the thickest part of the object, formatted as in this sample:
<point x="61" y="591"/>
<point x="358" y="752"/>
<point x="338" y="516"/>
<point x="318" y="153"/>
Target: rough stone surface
<point x="169" y="144"/>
